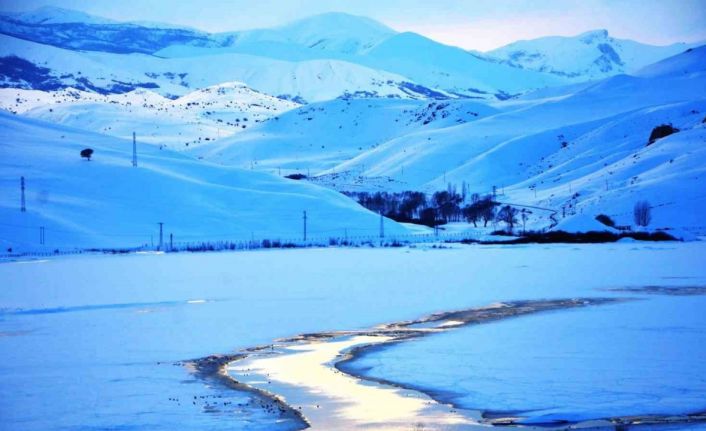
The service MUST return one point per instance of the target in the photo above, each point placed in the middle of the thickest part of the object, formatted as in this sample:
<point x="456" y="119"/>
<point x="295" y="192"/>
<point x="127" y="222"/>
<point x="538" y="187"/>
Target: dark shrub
<point x="86" y="153"/>
<point x="296" y="176"/>
<point x="660" y="132"/>
<point x="605" y="220"/>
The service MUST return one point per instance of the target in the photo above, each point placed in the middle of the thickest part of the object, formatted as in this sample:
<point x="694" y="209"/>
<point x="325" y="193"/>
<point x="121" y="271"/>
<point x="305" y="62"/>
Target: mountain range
<point x="313" y="59"/>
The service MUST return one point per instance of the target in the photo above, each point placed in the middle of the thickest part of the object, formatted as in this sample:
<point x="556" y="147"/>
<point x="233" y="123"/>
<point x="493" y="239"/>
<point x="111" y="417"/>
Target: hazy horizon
<point x="469" y="25"/>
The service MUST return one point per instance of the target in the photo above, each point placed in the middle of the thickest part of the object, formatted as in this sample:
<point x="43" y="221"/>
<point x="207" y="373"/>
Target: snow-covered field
<point x="90" y="342"/>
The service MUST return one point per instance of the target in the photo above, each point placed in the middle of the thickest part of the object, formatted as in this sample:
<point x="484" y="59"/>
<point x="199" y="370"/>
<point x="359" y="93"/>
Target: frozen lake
<point x="632" y="358"/>
<point x="95" y="342"/>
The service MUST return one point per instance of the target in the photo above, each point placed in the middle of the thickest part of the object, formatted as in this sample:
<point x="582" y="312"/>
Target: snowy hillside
<point x="105" y="202"/>
<point x="588" y="56"/>
<point x="196" y="118"/>
<point x="576" y="149"/>
<point x="320" y="136"/>
<point x="585" y="151"/>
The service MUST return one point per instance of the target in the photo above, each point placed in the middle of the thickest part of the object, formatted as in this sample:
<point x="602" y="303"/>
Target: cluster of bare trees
<point x="414" y="207"/>
<point x="440" y="207"/>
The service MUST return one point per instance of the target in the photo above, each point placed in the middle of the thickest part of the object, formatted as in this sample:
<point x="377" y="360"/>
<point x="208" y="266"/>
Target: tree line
<point x="439" y="208"/>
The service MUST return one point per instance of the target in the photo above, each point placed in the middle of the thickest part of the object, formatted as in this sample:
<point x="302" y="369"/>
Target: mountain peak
<point x="58" y="15"/>
<point x="339" y="22"/>
<point x="594" y="36"/>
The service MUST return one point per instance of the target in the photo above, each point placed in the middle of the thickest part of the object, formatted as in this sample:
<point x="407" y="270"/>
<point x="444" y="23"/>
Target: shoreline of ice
<point x="308" y="373"/>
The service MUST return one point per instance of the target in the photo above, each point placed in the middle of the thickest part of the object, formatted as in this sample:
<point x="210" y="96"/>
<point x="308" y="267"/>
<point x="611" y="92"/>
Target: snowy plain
<point x="100" y="334"/>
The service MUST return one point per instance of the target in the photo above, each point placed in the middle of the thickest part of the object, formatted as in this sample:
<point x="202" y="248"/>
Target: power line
<point x="161" y="225"/>
<point x="23" y="208"/>
<point x="304" y="218"/>
<point x="134" y="150"/>
<point x="382" y="226"/>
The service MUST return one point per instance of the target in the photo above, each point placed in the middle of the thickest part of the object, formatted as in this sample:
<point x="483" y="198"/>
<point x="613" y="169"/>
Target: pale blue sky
<point x="470" y="24"/>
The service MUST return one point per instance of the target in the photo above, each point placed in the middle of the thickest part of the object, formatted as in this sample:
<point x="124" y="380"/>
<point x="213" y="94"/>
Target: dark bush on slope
<point x="296" y="176"/>
<point x="605" y="220"/>
<point x="660" y="132"/>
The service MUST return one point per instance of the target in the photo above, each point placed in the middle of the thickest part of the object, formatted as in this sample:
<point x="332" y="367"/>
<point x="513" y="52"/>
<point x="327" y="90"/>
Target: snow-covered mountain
<point x="31" y="65"/>
<point x="70" y="29"/>
<point x="588" y="56"/>
<point x="314" y="59"/>
<point x="334" y="54"/>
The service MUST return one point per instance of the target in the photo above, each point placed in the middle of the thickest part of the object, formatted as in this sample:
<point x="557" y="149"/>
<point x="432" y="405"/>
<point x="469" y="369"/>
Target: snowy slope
<point x="580" y="148"/>
<point x="572" y="148"/>
<point x="196" y="118"/>
<point x="106" y="202"/>
<point x="320" y="136"/>
<point x="588" y="56"/>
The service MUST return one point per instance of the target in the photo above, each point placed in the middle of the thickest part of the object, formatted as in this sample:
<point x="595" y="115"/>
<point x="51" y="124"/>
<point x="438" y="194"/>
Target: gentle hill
<point x="106" y="202"/>
<point x="317" y="137"/>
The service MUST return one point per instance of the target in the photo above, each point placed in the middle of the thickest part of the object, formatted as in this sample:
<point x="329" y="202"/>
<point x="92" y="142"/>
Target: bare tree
<point x="642" y="213"/>
<point x="508" y="215"/>
<point x="524" y="214"/>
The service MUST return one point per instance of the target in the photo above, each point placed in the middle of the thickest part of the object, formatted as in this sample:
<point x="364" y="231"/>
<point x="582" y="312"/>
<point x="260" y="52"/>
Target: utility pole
<point x="134" y="150"/>
<point x="23" y="208"/>
<point x="171" y="241"/>
<point x="304" y="218"/>
<point x="382" y="226"/>
<point x="41" y="235"/>
<point x="161" y="225"/>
